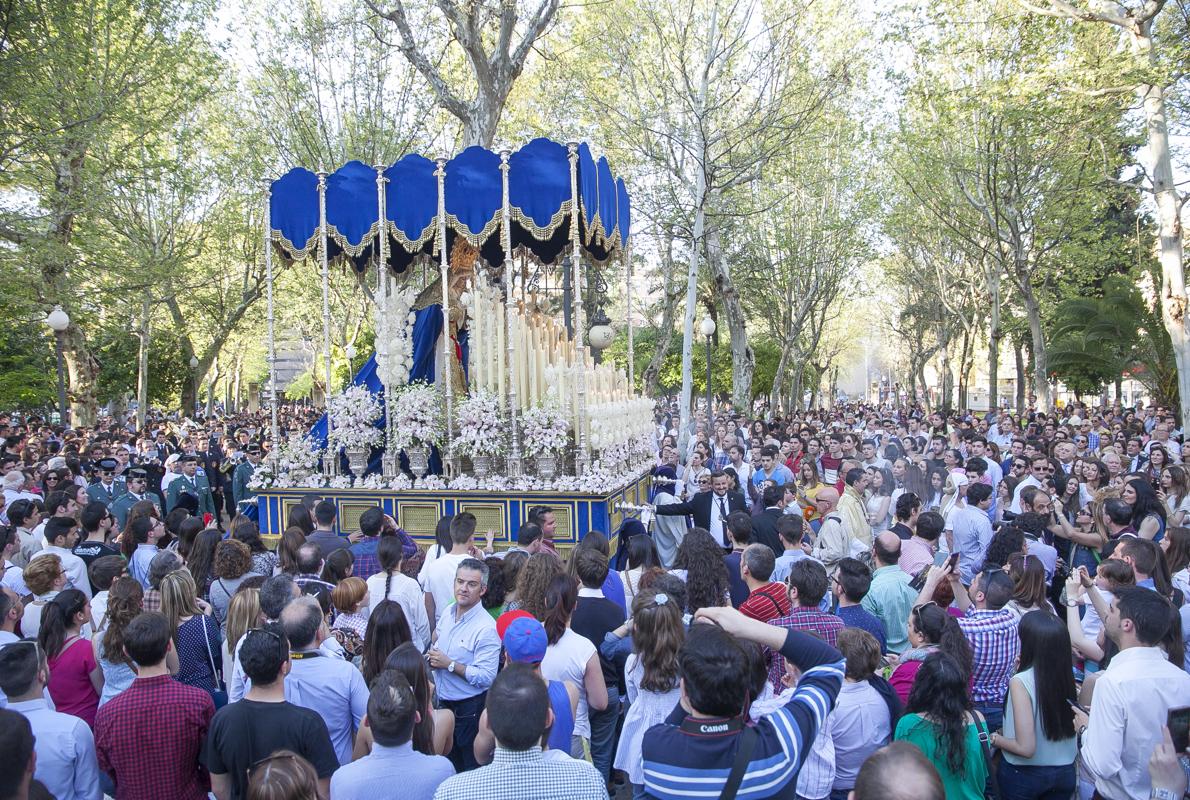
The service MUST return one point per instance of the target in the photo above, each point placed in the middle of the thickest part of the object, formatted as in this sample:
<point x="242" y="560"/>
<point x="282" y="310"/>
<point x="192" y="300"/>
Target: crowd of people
<point x="857" y="602"/>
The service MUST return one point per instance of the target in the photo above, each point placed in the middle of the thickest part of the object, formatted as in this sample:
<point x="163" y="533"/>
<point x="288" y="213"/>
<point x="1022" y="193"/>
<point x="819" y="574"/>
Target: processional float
<point x="495" y="228"/>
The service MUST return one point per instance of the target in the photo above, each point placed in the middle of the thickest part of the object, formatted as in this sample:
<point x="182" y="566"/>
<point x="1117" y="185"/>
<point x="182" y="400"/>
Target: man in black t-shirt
<point x="594" y="617"/>
<point x="263" y="722"/>
<point x="97" y="525"/>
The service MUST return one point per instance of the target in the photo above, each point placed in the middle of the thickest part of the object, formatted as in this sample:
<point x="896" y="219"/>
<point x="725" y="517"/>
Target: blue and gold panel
<point x="489" y="516"/>
<point x="350" y="510"/>
<point x="419" y="517"/>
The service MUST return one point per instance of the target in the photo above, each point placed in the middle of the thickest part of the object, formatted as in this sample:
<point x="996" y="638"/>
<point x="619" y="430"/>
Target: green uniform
<point x="197" y="486"/>
<point x="239" y="484"/>
<point x="98" y="493"/>
<point x="124" y="503"/>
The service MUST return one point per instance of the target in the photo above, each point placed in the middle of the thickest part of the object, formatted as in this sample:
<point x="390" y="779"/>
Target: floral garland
<point x="293" y="464"/>
<point x="353" y="413"/>
<point x="479" y="425"/>
<point x="545" y="431"/>
<point x="394" y="336"/>
<point x="417" y="416"/>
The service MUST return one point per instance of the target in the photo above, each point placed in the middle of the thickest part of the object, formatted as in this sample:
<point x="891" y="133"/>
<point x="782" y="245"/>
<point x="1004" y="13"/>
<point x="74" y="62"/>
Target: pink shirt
<point x="70" y="681"/>
<point x="916" y="554"/>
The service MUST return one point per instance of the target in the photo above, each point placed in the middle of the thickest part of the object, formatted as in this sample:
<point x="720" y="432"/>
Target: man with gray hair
<point x="766" y="599"/>
<point x="162" y="564"/>
<point x="333" y="688"/>
<point x="465" y="657"/>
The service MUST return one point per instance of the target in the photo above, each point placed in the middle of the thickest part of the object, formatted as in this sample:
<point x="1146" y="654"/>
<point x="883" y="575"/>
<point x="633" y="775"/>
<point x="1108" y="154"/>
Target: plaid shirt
<point x="149" y="737"/>
<point x="995" y="645"/>
<point x="767" y="602"/>
<point x="152" y="600"/>
<point x="807" y="619"/>
<point x="514" y="775"/>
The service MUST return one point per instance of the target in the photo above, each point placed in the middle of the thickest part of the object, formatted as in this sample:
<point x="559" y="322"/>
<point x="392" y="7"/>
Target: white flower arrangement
<point x="394" y="335"/>
<point x="353" y="413"/>
<point x="545" y="431"/>
<point x="375" y="481"/>
<point x="401" y="483"/>
<point x="417" y="416"/>
<point x="480" y="427"/>
<point x="296" y="458"/>
<point x="430" y="483"/>
<point x="340" y="482"/>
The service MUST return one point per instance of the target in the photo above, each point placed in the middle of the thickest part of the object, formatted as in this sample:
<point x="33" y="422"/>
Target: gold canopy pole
<point x="582" y="456"/>
<point x="331" y="460"/>
<point x="447" y="354"/>
<point x="513" y="465"/>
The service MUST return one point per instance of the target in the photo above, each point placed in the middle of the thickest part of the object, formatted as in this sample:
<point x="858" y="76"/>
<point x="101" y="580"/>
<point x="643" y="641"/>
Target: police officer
<point x="190" y="482"/>
<point x="107" y="488"/>
<point x="138" y="489"/>
<point x="243" y="475"/>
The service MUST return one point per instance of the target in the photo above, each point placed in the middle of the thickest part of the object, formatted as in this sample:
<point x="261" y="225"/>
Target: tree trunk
<point x="1021" y="376"/>
<point x="947" y="382"/>
<point x="1041" y="386"/>
<point x="1169" y="226"/>
<point x="212" y="378"/>
<point x="142" y="366"/>
<point x="994" y="334"/>
<point x="651" y="377"/>
<point x="700" y="212"/>
<point x="964" y="355"/>
<point x="743" y="360"/>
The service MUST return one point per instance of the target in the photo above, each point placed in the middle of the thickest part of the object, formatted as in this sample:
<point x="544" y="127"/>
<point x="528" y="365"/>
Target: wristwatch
<point x="1162" y="794"/>
<point x="1072" y="604"/>
<point x="451" y="667"/>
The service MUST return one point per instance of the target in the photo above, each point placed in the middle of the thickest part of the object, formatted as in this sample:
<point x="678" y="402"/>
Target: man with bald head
<point x="898" y="772"/>
<point x="833" y="542"/>
<point x="891" y="597"/>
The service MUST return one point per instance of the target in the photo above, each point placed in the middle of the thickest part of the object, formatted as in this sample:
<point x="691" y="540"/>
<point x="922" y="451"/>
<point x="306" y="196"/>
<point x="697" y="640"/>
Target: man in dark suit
<point x="764" y="524"/>
<point x="709" y="510"/>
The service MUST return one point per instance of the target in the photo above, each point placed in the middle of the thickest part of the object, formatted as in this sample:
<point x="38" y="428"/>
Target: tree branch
<point x="408" y="47"/>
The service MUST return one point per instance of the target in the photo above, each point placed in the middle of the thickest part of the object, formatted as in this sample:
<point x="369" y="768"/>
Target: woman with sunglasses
<point x="931" y="629"/>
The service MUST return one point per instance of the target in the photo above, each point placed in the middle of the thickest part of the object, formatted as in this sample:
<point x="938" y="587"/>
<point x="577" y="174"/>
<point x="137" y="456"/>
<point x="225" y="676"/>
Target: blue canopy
<point x="541" y="208"/>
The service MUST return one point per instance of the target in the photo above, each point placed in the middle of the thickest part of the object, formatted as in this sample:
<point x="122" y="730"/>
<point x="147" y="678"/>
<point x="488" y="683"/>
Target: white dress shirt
<point x="719" y="512"/>
<point x="405" y="591"/>
<point x="1132" y="700"/>
<point x="65" y="748"/>
<point x="438" y="579"/>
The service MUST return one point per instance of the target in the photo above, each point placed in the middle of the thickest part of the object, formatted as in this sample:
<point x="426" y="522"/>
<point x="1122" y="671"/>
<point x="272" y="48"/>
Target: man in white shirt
<point x="62" y="533"/>
<point x="437" y="578"/>
<point x="1132" y="697"/>
<point x="1038" y="472"/>
<point x="65" y="748"/>
<point x="1161" y="437"/>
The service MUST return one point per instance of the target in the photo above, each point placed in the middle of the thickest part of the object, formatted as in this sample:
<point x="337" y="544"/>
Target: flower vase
<point x="547" y="466"/>
<point x="481" y="466"/>
<point x="357" y="460"/>
<point x="419" y="461"/>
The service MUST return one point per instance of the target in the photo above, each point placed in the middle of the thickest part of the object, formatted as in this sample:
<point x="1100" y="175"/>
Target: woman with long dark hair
<point x="1030" y="586"/>
<point x="700" y="564"/>
<point x="287" y="548"/>
<point x="941" y="722"/>
<point x="1176" y="546"/>
<point x="128" y="537"/>
<point x="571" y="657"/>
<point x="339" y="565"/>
<point x="299" y="517"/>
<point x="931" y="630"/>
<point x="1148" y="513"/>
<point x="433" y="734"/>
<point x="1038" y="742"/>
<point x="642" y="555"/>
<point x="201" y="561"/>
<point x="264" y="560"/>
<point x="75" y="677"/>
<point x="442" y="543"/>
<point x="387" y="630"/>
<point x="392" y="584"/>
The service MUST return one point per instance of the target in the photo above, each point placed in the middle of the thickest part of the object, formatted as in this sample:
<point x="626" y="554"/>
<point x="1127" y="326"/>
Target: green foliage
<point x="28" y="373"/>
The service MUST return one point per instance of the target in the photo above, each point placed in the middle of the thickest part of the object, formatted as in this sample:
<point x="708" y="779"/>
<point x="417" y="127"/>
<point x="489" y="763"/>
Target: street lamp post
<point x="601" y="335"/>
<point x="707" y="327"/>
<point x="59" y="321"/>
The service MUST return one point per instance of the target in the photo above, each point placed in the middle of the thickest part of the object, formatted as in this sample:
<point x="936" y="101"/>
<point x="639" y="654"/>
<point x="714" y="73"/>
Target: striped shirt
<point x="691" y="758"/>
<point x="766" y="602"/>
